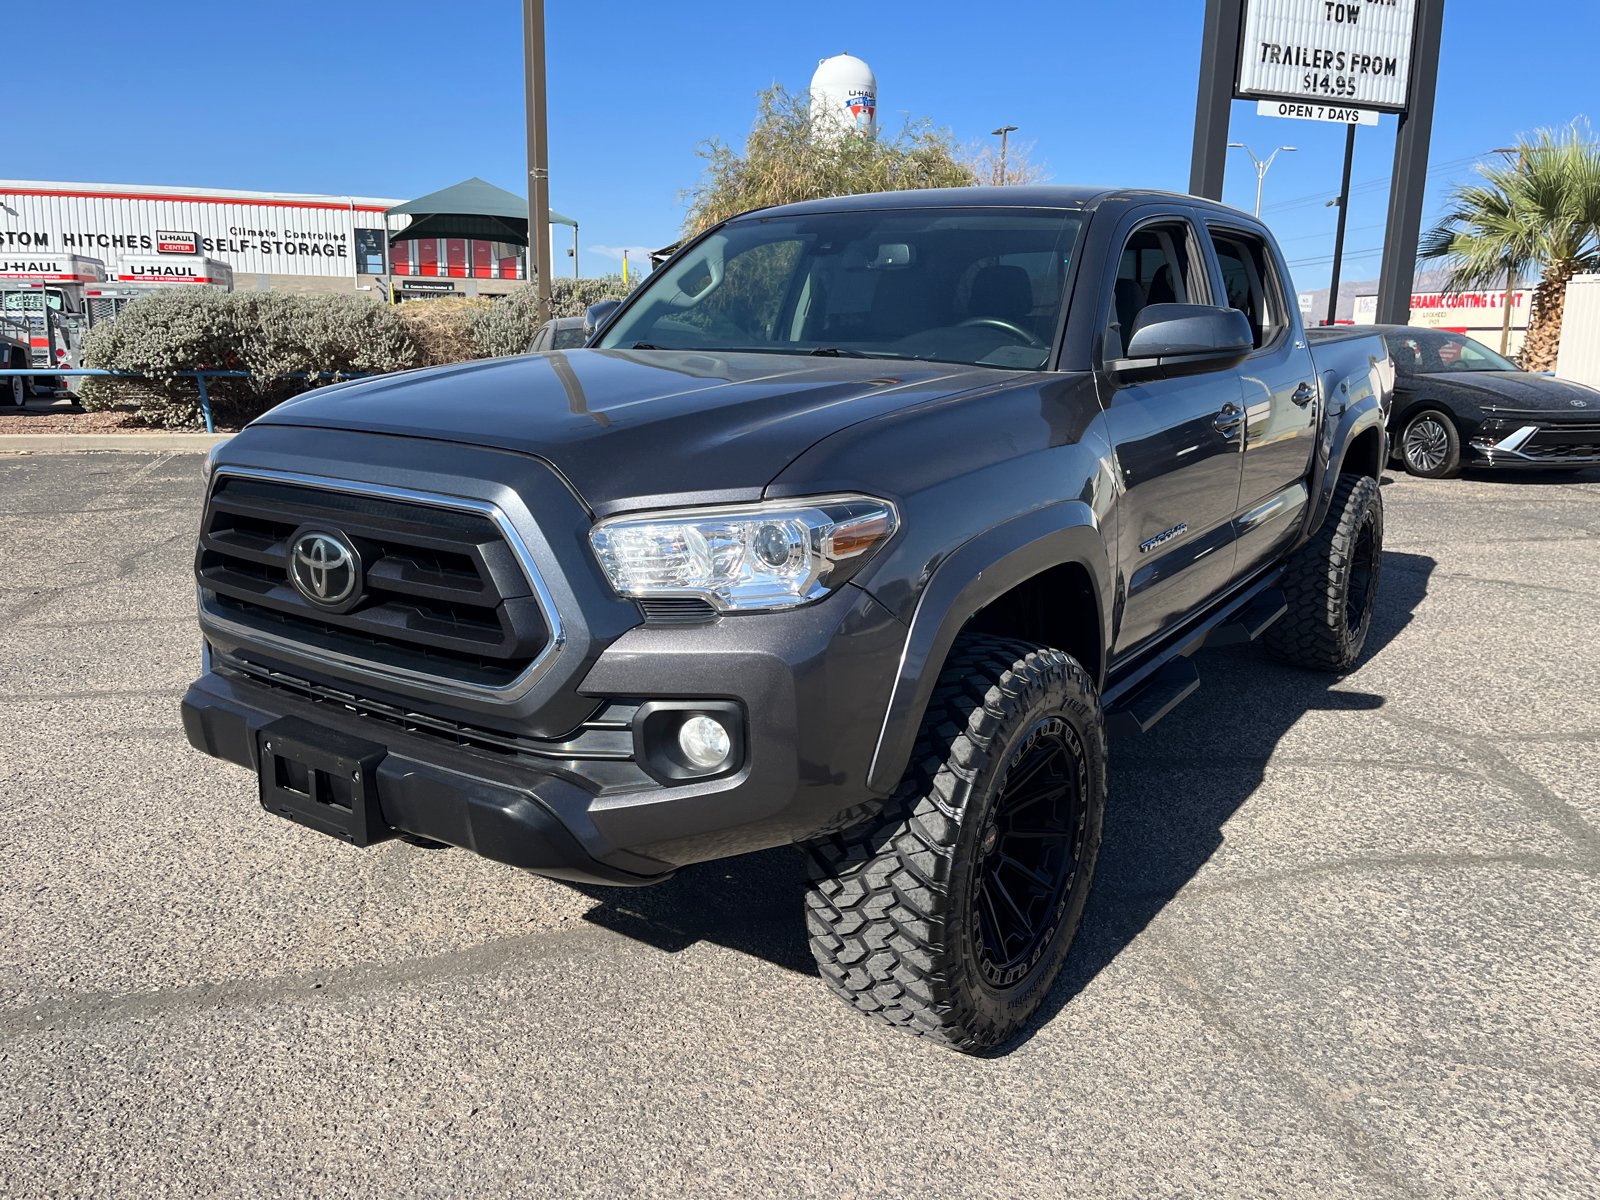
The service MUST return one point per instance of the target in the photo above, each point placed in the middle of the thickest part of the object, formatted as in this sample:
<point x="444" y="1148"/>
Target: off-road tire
<point x="1331" y="583"/>
<point x="893" y="903"/>
<point x="1430" y="445"/>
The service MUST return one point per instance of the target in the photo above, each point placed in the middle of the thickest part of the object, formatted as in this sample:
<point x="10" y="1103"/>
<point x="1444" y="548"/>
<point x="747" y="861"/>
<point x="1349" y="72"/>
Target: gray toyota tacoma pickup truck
<point x="859" y="526"/>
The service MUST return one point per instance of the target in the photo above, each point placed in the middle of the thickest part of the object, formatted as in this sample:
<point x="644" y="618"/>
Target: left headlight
<point x="744" y="559"/>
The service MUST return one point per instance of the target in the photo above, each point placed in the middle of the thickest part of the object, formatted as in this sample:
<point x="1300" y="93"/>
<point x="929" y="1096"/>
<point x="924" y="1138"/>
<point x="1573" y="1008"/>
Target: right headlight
<point x="746" y="558"/>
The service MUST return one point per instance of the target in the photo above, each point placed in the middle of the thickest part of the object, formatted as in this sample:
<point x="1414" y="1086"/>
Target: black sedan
<point x="1458" y="403"/>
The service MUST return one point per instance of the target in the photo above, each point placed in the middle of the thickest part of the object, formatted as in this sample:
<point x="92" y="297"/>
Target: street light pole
<point x="1261" y="167"/>
<point x="1344" y="209"/>
<point x="538" y="155"/>
<point x="1002" y="132"/>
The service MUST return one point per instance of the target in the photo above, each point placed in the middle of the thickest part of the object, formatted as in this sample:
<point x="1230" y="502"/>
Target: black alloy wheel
<point x="1360" y="589"/>
<point x="1031" y="848"/>
<point x="949" y="912"/>
<point x="1430" y="447"/>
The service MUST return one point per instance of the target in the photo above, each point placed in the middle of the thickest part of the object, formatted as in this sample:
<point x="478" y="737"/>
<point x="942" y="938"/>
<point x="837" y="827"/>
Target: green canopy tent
<point x="474" y="209"/>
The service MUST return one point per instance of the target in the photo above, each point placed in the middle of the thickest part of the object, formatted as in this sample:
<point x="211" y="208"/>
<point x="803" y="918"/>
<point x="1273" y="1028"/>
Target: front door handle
<point x="1304" y="394"/>
<point x="1228" y="420"/>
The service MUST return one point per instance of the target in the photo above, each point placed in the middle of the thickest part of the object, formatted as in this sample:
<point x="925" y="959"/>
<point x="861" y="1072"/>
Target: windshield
<point x="949" y="285"/>
<point x="1416" y="352"/>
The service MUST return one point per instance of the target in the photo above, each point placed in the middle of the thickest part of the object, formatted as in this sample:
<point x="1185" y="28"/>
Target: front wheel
<point x="950" y="914"/>
<point x="1430" y="447"/>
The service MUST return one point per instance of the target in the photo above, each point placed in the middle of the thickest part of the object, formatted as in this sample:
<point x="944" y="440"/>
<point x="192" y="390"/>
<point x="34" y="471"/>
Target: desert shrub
<point x="272" y="336"/>
<point x="509" y="324"/>
<point x="442" y="327"/>
<point x="276" y="337"/>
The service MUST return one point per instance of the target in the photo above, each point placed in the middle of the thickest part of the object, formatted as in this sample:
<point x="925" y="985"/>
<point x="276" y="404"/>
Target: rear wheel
<point x="951" y="913"/>
<point x="16" y="390"/>
<point x="1331" y="583"/>
<point x="1430" y="447"/>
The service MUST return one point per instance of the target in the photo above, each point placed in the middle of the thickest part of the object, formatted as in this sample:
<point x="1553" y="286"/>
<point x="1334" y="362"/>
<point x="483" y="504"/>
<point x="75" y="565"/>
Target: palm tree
<point x="1542" y="212"/>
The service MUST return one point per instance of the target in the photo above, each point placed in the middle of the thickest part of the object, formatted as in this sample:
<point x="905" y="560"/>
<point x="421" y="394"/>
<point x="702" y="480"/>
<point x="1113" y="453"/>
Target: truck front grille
<point x="445" y="597"/>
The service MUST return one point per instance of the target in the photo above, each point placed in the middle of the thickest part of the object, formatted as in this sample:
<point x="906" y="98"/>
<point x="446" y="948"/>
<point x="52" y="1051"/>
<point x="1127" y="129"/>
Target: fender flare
<point x="1357" y="419"/>
<point x="974" y="574"/>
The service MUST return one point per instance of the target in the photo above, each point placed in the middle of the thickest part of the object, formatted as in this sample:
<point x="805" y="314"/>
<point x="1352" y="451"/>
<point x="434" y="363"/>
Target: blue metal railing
<point x="199" y="377"/>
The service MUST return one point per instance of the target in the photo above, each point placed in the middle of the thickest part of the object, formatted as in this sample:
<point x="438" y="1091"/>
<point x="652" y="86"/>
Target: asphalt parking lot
<point x="1344" y="938"/>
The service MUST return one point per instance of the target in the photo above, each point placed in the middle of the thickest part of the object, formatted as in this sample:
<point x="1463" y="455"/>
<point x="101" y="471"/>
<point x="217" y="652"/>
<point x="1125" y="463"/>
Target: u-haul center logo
<point x="171" y="242"/>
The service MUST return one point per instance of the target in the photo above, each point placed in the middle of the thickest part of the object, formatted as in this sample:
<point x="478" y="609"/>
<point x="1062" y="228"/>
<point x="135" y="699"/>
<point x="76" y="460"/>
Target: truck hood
<point x="1515" y="393"/>
<point x="629" y="424"/>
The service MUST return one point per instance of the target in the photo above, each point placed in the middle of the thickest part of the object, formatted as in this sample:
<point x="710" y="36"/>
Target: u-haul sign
<point x="1352" y="52"/>
<point x="170" y="242"/>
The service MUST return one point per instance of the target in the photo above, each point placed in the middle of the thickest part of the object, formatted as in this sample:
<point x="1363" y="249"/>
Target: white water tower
<point x="844" y="96"/>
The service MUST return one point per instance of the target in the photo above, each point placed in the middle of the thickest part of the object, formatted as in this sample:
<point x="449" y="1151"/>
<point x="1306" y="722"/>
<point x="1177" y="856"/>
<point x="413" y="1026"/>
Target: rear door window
<point x="1251" y="279"/>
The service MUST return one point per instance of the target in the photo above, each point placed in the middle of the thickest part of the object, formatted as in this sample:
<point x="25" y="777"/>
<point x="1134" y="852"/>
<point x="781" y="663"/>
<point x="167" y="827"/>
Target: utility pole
<point x="1002" y="132"/>
<point x="1261" y="167"/>
<point x="538" y="155"/>
<point x="1511" y="273"/>
<point x="1344" y="208"/>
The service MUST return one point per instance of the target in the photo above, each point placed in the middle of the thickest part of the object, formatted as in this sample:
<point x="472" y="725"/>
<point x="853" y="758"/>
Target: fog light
<point x="704" y="742"/>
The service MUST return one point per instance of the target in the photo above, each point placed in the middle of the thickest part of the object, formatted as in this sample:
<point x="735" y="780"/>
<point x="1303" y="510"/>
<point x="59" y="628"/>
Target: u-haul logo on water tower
<point x="863" y="108"/>
<point x="172" y="242"/>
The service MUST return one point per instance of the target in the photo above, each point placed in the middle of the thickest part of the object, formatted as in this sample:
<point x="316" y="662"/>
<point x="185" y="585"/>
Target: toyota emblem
<point x="324" y="568"/>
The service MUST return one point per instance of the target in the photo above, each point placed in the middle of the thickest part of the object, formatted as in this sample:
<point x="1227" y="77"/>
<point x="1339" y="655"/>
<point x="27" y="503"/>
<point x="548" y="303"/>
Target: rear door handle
<point x="1227" y="421"/>
<point x="1304" y="394"/>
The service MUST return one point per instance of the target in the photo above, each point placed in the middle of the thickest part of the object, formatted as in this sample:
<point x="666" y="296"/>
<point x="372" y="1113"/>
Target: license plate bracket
<point x="325" y="780"/>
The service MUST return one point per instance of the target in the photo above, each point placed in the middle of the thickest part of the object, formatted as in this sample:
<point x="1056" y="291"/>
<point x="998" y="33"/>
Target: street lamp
<point x="1261" y="167"/>
<point x="1001" y="134"/>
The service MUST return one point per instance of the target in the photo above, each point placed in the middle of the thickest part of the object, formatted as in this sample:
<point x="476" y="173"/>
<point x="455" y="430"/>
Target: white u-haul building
<point x="271" y="241"/>
<point x="277" y="241"/>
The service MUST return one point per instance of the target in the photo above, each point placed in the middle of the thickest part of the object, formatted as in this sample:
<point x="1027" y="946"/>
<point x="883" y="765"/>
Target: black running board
<point x="1170" y="686"/>
<point x="1165" y="690"/>
<point x="1250" y="622"/>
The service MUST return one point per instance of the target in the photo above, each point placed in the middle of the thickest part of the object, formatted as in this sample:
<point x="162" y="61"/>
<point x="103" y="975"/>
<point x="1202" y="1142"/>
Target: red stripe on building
<point x="196" y="200"/>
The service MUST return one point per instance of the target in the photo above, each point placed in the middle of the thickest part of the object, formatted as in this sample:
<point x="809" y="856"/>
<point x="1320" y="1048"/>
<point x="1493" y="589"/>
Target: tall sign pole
<point x="1219" y="65"/>
<point x="1410" y="171"/>
<point x="538" y="155"/>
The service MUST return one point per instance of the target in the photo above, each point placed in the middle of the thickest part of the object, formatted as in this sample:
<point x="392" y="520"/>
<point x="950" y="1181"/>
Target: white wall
<point x="1579" y="357"/>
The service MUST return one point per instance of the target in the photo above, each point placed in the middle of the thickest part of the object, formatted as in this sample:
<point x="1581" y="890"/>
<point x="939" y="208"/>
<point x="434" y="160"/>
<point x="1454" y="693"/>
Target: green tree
<point x="786" y="160"/>
<point x="1540" y="211"/>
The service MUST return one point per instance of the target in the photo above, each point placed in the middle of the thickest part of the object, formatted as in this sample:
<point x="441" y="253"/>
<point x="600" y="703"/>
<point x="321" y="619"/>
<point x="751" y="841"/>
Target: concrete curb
<point x="139" y="443"/>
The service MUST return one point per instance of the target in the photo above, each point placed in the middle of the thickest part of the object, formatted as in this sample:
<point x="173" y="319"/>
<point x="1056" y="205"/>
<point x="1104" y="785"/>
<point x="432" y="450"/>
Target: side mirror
<point x="1172" y="340"/>
<point x="595" y="316"/>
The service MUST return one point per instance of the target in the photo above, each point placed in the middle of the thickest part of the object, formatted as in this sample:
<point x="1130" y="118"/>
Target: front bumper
<point x="811" y="685"/>
<point x="424" y="789"/>
<point x="1536" y="444"/>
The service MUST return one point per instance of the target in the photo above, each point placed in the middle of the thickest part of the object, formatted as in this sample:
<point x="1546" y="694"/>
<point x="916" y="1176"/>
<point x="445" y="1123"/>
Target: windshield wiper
<point x="835" y="352"/>
<point x="645" y="346"/>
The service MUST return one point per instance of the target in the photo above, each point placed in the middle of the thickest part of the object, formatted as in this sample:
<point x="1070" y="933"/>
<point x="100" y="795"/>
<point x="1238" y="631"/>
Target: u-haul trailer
<point x="42" y="305"/>
<point x="135" y="275"/>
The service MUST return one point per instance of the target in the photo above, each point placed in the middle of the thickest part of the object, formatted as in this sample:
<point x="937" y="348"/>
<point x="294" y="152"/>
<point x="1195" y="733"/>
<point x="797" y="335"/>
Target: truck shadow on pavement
<point x="1160" y="827"/>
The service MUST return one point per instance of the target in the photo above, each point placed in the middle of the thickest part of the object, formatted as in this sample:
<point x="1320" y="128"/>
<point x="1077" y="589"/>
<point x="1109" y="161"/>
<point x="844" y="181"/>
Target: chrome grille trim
<point x="382" y="673"/>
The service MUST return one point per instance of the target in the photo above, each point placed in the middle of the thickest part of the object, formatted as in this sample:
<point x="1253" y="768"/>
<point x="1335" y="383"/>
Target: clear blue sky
<point x="401" y="98"/>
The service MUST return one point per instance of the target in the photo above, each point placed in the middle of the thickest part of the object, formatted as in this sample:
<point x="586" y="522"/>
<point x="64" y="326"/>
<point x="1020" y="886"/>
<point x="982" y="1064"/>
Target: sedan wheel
<point x="1430" y="446"/>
